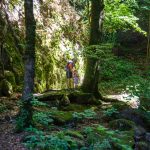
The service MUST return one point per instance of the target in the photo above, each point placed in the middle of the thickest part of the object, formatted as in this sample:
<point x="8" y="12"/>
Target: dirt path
<point x="9" y="140"/>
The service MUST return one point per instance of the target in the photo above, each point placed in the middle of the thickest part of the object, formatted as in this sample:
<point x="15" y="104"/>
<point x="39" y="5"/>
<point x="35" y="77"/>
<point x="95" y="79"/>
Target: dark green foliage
<point x="42" y="118"/>
<point x="122" y="124"/>
<point x="24" y="118"/>
<point x="110" y="112"/>
<point x="3" y="108"/>
<point x="116" y="69"/>
<point x="50" y="142"/>
<point x="87" y="114"/>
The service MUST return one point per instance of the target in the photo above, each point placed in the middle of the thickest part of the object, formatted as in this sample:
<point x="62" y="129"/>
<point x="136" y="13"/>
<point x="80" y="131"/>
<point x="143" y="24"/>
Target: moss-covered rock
<point x="78" y="97"/>
<point x="76" y="107"/>
<point x="121" y="124"/>
<point x="139" y="116"/>
<point x="6" y="88"/>
<point x="61" y="117"/>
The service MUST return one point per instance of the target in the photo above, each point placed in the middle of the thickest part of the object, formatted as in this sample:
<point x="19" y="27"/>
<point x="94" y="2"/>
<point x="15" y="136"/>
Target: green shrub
<point x="42" y="118"/>
<point x="110" y="111"/>
<point x="87" y="114"/>
<point x="39" y="139"/>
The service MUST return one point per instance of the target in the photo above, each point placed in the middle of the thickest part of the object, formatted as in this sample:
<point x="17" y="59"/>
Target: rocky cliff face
<point x="60" y="37"/>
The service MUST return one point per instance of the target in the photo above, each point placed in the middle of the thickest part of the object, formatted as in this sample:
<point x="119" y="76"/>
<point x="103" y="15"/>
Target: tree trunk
<point x="26" y="111"/>
<point x="91" y="79"/>
<point x="30" y="50"/>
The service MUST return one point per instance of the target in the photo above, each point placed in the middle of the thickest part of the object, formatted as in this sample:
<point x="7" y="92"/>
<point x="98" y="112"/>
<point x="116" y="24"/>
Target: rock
<point x="139" y="134"/>
<point x="148" y="136"/>
<point x="80" y="97"/>
<point x="145" y="102"/>
<point x="142" y="139"/>
<point x="120" y="105"/>
<point x="142" y="146"/>
<point x="121" y="124"/>
<point x="6" y="88"/>
<point x="138" y="116"/>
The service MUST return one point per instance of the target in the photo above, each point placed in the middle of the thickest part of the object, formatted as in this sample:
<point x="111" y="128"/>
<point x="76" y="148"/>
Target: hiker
<point x="75" y="78"/>
<point x="69" y="73"/>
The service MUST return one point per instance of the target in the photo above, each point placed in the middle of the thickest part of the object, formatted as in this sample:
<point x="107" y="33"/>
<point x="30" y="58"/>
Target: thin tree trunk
<point x="91" y="79"/>
<point x="29" y="58"/>
<point x="30" y="50"/>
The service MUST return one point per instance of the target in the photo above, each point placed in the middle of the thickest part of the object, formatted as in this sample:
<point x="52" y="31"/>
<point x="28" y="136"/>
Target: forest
<point x="74" y="74"/>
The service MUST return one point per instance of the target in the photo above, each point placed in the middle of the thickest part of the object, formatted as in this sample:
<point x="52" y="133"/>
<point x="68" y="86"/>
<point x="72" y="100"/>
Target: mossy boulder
<point x="6" y="88"/>
<point x="76" y="107"/>
<point x="80" y="97"/>
<point x="122" y="124"/>
<point x="138" y="116"/>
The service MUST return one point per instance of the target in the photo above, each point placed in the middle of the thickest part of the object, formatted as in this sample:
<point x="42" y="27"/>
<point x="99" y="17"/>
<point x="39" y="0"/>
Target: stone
<point x="6" y="88"/>
<point x="122" y="124"/>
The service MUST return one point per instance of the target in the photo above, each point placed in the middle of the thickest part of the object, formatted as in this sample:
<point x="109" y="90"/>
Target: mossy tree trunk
<point x="91" y="79"/>
<point x="29" y="62"/>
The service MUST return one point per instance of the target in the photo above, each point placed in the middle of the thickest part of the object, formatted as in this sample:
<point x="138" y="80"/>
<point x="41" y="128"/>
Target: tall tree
<point x="25" y="117"/>
<point x="29" y="56"/>
<point x="90" y="83"/>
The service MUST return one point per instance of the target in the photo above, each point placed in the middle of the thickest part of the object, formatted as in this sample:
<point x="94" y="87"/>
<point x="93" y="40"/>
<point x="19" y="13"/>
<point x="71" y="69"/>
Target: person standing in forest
<point x="69" y="73"/>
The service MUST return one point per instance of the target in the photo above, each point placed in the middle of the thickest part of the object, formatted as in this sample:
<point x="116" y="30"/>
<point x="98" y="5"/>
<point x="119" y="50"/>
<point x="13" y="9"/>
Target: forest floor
<point x="9" y="140"/>
<point x="9" y="108"/>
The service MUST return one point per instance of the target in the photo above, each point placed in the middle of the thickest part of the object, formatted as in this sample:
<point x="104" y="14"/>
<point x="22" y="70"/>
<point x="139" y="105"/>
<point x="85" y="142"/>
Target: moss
<point x="76" y="107"/>
<point x="61" y="117"/>
<point x="118" y="139"/>
<point x="52" y="95"/>
<point x="122" y="124"/>
<point x="78" y="97"/>
<point x="6" y="88"/>
<point x="83" y="98"/>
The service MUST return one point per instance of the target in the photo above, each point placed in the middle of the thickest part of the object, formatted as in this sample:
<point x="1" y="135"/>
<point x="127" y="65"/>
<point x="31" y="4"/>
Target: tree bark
<point x="25" y="116"/>
<point x="91" y="79"/>
<point x="29" y="56"/>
